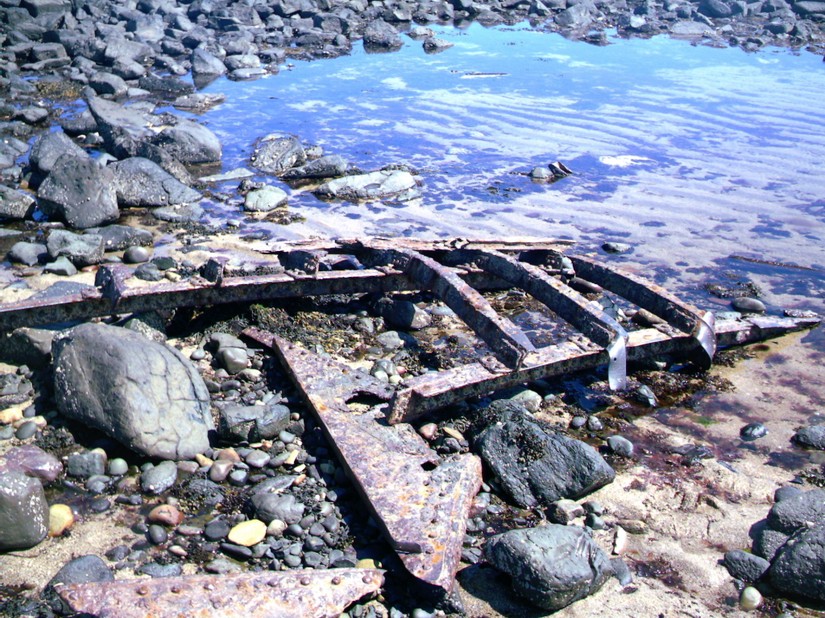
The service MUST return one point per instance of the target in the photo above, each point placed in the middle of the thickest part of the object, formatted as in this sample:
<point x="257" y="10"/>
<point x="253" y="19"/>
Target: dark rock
<point x="381" y="36"/>
<point x="534" y="465"/>
<point x="786" y="492"/>
<point x="109" y="84"/>
<point x="746" y="567"/>
<point x="551" y="566"/>
<point x="575" y="17"/>
<point x="24" y="512"/>
<point x="797" y="512"/>
<point x="33" y="461"/>
<point x="264" y="199"/>
<point x="328" y="166"/>
<point x="171" y="87"/>
<point x="159" y="478"/>
<point x="799" y="567"/>
<point x="136" y="255"/>
<point x="276" y="153"/>
<point x="61" y="266"/>
<point x="620" y="446"/>
<point x="28" y="346"/>
<point x="753" y="431"/>
<point x="121" y="237"/>
<point x="616" y="247"/>
<point x="252" y="423"/>
<point x="28" y="253"/>
<point x="79" y="192"/>
<point x="143" y="394"/>
<point x="269" y="506"/>
<point x="621" y="571"/>
<point x="148" y="272"/>
<point x="155" y="569"/>
<point x="748" y="305"/>
<point x="80" y="570"/>
<point x="434" y="45"/>
<point x="715" y="8"/>
<point x="809" y="8"/>
<point x="812" y="437"/>
<point x="564" y="511"/>
<point x="767" y="542"/>
<point x="15" y="204"/>
<point x="48" y="148"/>
<point x="86" y="464"/>
<point x="81" y="249"/>
<point x="206" y="66"/>
<point x="403" y="314"/>
<point x="142" y="183"/>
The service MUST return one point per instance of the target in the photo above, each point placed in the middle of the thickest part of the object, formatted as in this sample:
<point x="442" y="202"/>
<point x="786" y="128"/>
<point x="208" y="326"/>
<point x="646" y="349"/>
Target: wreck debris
<point x="288" y="594"/>
<point x="420" y="501"/>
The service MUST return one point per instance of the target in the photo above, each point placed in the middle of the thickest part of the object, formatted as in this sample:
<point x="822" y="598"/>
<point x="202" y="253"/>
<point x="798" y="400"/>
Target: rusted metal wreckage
<point x="420" y="499"/>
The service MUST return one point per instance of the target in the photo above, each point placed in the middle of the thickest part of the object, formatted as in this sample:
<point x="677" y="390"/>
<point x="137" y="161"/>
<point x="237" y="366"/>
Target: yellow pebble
<point x="248" y="533"/>
<point x="61" y="518"/>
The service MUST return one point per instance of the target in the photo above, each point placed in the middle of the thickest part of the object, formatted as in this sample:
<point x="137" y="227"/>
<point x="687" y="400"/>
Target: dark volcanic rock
<point x="28" y="253"/>
<point x="15" y="204"/>
<point x="80" y="570"/>
<point x="797" y="512"/>
<point x="143" y="183"/>
<point x="328" y="166"/>
<point x="813" y="437"/>
<point x="381" y="36"/>
<point x="744" y="566"/>
<point x="143" y="394"/>
<point x="121" y="237"/>
<point x="49" y="148"/>
<point x="799" y="567"/>
<point x="536" y="466"/>
<point x="81" y="249"/>
<point x="79" y="192"/>
<point x="552" y="566"/>
<point x="252" y="423"/>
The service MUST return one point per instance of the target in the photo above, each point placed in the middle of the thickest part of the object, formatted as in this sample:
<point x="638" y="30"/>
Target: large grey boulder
<point x="79" y="192"/>
<point x="534" y="465"/>
<point x="28" y="253"/>
<point x="143" y="394"/>
<point x="551" y="566"/>
<point x="81" y="249"/>
<point x="799" y="567"/>
<point x="24" y="512"/>
<point x="206" y="66"/>
<point x="371" y="186"/>
<point x="142" y="183"/>
<point x="126" y="132"/>
<point x="277" y="153"/>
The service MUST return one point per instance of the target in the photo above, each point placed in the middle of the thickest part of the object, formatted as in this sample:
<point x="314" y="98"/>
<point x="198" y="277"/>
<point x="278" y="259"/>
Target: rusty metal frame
<point x="419" y="500"/>
<point x="286" y="594"/>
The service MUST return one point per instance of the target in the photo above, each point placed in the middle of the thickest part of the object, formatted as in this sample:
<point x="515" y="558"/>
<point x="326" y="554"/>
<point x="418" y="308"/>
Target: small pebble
<point x="753" y="431"/>
<point x="26" y="430"/>
<point x="136" y="255"/>
<point x="750" y="598"/>
<point x="198" y="354"/>
<point x="61" y="519"/>
<point x="247" y="533"/>
<point x="165" y="514"/>
<point x="216" y="530"/>
<point x="117" y="467"/>
<point x="594" y="423"/>
<point x="748" y="305"/>
<point x="157" y="534"/>
<point x="620" y="446"/>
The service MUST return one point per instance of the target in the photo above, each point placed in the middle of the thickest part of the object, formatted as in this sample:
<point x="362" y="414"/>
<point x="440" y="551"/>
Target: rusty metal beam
<point x="658" y="301"/>
<point x="285" y="594"/>
<point x="431" y="391"/>
<point x="505" y="339"/>
<point x="586" y="316"/>
<point x="510" y="244"/>
<point x="420" y="500"/>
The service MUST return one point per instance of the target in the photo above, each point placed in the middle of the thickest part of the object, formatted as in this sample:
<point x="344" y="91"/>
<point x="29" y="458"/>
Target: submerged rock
<point x="371" y="186"/>
<point x="551" y="566"/>
<point x="277" y="153"/>
<point x="143" y="394"/>
<point x="143" y="183"/>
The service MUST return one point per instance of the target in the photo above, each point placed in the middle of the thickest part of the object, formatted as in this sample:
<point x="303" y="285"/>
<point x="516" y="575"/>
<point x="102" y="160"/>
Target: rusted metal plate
<point x="505" y="339"/>
<point x="431" y="391"/>
<point x="283" y="594"/>
<point x="420" y="500"/>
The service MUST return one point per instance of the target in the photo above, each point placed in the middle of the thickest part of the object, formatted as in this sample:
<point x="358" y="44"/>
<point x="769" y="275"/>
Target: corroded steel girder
<point x="506" y="340"/>
<point x="420" y="500"/>
<point x="585" y="315"/>
<point x="430" y="391"/>
<point x="285" y="594"/>
<point x="658" y="301"/>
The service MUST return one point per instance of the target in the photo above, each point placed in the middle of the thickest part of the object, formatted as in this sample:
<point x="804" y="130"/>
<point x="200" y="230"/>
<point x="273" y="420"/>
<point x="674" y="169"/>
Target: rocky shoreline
<point x="243" y="480"/>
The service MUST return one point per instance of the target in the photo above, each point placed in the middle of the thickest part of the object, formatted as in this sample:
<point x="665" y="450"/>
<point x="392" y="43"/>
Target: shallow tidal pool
<point x="696" y="156"/>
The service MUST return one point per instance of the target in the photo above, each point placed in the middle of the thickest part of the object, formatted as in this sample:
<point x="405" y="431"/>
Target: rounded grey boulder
<point x="143" y="394"/>
<point x="551" y="566"/>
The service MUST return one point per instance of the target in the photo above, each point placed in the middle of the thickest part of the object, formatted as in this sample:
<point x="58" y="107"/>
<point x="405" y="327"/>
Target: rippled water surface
<point x="694" y="155"/>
